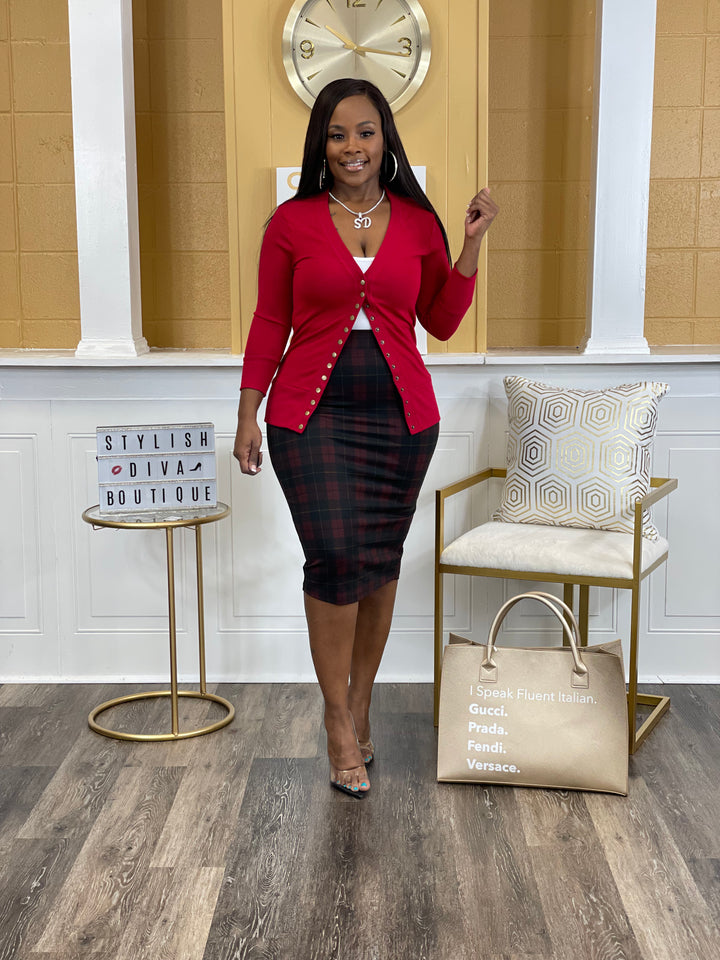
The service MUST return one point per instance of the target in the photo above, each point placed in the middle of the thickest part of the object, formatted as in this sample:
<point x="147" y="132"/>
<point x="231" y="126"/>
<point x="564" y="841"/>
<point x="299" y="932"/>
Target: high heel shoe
<point x="367" y="750"/>
<point x="340" y="780"/>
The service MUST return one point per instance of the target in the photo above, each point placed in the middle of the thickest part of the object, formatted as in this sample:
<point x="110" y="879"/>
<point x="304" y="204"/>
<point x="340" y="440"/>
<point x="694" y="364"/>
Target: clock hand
<point x="388" y="53"/>
<point x="346" y="41"/>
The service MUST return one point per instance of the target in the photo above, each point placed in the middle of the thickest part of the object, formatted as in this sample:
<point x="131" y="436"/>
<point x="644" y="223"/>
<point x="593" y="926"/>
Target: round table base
<point x="181" y="735"/>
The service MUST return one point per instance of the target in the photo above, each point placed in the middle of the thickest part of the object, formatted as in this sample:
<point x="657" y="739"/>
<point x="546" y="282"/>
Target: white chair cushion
<point x="536" y="548"/>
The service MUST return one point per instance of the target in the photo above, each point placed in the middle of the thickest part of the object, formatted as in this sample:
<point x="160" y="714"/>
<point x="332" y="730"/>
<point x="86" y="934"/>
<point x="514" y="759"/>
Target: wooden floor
<point x="232" y="845"/>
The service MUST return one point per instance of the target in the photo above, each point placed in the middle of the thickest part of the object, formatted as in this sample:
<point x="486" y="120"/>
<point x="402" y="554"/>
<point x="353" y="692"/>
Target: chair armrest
<point x="659" y="487"/>
<point x="459" y="485"/>
<point x="443" y="493"/>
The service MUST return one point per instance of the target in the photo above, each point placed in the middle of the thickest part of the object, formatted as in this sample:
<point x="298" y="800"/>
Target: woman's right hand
<point x="246" y="451"/>
<point x="248" y="438"/>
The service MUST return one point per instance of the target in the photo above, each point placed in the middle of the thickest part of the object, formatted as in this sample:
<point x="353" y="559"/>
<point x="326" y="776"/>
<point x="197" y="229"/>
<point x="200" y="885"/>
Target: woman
<point x="352" y="419"/>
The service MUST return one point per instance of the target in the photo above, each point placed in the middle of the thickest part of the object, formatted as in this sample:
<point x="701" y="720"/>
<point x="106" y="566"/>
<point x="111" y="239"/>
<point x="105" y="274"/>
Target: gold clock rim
<point x="407" y="94"/>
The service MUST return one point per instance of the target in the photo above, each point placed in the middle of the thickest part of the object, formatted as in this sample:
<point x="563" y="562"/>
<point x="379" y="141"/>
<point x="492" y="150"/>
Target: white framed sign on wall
<point x="155" y="469"/>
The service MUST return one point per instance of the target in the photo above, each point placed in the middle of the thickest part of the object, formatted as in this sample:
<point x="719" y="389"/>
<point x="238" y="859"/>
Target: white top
<point x="361" y="321"/>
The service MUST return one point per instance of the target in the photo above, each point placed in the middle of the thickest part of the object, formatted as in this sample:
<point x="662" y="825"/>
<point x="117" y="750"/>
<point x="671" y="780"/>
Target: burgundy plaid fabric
<point x="352" y="478"/>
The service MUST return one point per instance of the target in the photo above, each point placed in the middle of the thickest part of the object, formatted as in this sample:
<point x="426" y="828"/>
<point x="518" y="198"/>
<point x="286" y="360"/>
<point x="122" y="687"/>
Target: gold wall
<point x="540" y="132"/>
<point x="683" y="266"/>
<point x="540" y="74"/>
<point x="39" y="301"/>
<point x="179" y="104"/>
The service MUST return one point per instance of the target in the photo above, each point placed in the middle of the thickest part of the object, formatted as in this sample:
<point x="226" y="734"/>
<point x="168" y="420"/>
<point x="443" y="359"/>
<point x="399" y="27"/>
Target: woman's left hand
<point x="480" y="213"/>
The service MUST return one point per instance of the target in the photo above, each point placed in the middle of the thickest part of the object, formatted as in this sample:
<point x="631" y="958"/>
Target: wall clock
<point x="384" y="41"/>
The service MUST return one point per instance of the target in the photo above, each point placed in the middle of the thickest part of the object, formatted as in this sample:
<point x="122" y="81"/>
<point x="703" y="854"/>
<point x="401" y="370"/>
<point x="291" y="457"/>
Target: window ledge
<point x="670" y="354"/>
<point x="155" y="358"/>
<point x="223" y="358"/>
<point x="537" y="356"/>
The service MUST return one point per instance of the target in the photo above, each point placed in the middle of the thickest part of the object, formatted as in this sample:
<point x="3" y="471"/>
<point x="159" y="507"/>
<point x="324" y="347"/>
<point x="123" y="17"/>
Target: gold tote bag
<point x="534" y="717"/>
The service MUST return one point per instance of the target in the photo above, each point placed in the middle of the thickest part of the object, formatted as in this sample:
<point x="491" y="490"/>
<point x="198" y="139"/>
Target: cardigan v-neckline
<point x="340" y="243"/>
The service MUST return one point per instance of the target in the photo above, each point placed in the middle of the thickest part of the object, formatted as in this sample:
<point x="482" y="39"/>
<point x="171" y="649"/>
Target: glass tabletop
<point x="162" y="518"/>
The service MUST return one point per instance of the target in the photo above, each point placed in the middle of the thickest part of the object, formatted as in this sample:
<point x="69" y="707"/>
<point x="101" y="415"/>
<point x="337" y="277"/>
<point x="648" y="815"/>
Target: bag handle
<point x="580" y="678"/>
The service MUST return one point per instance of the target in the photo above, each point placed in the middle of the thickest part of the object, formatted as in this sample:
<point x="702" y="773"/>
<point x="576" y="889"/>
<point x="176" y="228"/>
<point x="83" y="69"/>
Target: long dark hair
<point x="403" y="183"/>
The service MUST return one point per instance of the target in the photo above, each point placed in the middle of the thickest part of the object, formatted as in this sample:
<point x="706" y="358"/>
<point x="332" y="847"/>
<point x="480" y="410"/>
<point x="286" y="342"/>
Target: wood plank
<point x="705" y="696"/>
<point x="666" y="911"/>
<point x="176" y="912"/>
<point x="674" y="763"/>
<point x="84" y="781"/>
<point x="251" y="700"/>
<point x="706" y="874"/>
<point x="20" y="790"/>
<point x="553" y="816"/>
<point x="585" y="913"/>
<point x="259" y="895"/>
<point x="107" y="881"/>
<point x="33" y="871"/>
<point x="498" y="888"/>
<point x="420" y="908"/>
<point x="202" y="824"/>
<point x="292" y="721"/>
<point x="30" y="694"/>
<point x="699" y="712"/>
<point x="391" y="887"/>
<point x="41" y="732"/>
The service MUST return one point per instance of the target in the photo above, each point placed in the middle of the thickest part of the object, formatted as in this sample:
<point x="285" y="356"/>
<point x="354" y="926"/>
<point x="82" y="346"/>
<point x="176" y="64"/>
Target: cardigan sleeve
<point x="272" y="320"/>
<point x="445" y="294"/>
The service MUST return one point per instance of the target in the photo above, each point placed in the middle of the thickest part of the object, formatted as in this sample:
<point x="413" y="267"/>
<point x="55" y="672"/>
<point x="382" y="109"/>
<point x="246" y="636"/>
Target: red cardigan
<point x="310" y="285"/>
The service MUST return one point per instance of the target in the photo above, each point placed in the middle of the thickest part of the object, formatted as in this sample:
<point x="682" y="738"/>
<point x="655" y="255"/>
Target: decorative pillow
<point x="579" y="458"/>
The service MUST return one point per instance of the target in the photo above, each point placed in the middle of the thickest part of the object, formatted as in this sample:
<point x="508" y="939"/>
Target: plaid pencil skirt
<point x="352" y="478"/>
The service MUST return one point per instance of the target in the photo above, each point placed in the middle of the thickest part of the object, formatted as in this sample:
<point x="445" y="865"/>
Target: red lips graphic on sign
<point x="116" y="470"/>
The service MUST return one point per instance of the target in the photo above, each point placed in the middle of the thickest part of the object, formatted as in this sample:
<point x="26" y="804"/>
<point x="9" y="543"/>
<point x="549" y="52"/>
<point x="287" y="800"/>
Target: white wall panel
<point x="255" y="569"/>
<point x="692" y="583"/>
<point x="78" y="603"/>
<point x="686" y="593"/>
<point x="264" y="572"/>
<point x="28" y="592"/>
<point x="19" y="563"/>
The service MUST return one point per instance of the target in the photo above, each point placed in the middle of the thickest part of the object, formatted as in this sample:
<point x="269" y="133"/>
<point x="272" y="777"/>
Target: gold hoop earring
<point x="391" y="154"/>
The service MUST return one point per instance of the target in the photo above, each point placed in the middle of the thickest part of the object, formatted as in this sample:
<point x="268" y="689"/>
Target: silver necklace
<point x="361" y="219"/>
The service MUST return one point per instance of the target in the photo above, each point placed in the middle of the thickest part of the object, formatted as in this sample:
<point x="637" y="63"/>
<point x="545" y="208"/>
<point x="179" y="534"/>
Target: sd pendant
<point x="362" y="222"/>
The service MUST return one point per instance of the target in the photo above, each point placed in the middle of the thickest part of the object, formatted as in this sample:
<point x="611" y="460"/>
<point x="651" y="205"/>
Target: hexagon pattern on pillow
<point x="579" y="458"/>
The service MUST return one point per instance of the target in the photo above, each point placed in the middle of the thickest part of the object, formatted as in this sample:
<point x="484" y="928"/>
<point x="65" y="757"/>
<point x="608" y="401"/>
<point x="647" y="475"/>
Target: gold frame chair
<point x="659" y="488"/>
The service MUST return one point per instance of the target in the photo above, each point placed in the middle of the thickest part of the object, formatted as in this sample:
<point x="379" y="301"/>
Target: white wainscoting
<point x="84" y="604"/>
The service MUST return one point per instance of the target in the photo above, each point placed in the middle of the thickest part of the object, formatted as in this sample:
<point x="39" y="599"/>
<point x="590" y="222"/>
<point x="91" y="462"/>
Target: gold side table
<point x="168" y="523"/>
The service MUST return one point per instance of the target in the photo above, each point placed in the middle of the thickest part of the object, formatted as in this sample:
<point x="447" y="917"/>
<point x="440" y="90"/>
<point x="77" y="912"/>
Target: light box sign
<point x="152" y="469"/>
